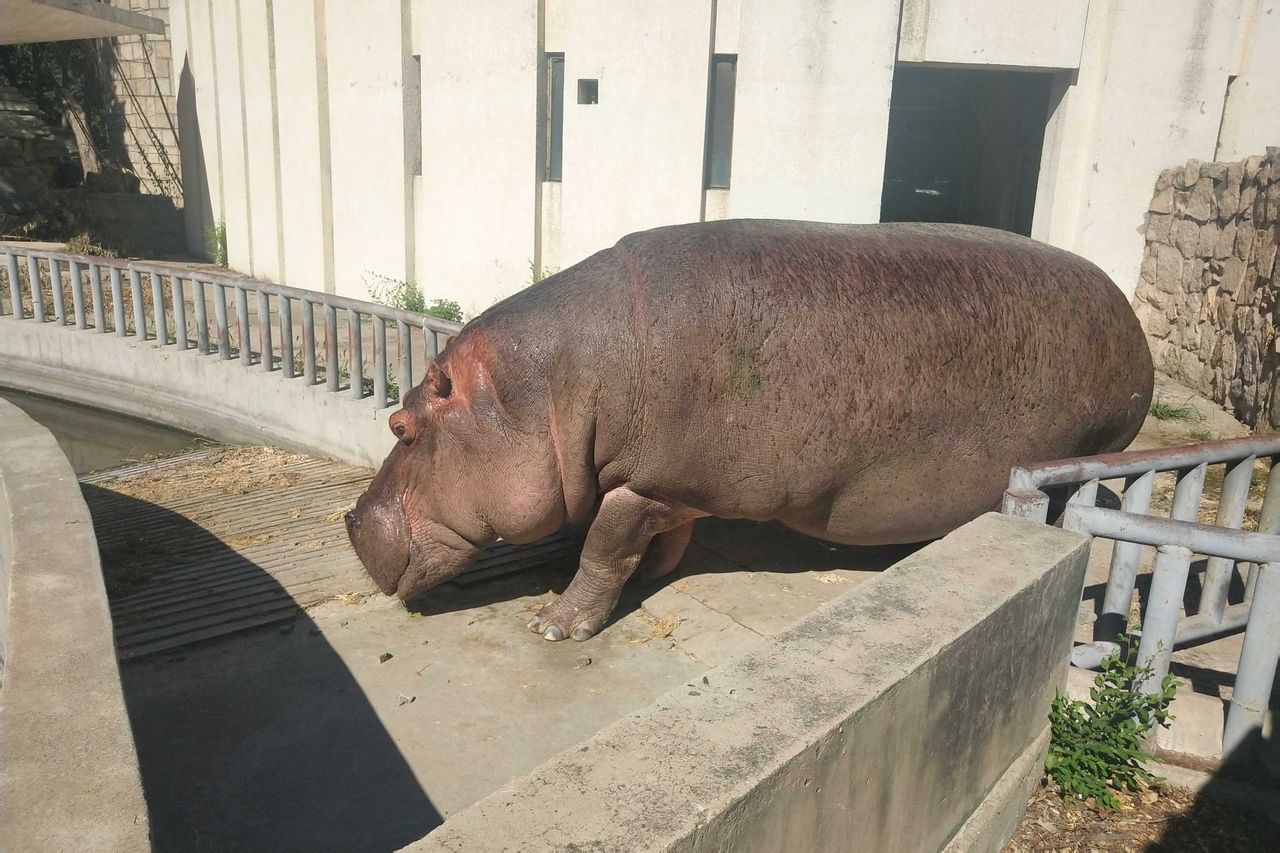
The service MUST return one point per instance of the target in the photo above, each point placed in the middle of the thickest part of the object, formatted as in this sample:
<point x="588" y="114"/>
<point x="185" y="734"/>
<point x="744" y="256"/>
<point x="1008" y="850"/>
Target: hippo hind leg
<point x="665" y="552"/>
<point x="615" y="546"/>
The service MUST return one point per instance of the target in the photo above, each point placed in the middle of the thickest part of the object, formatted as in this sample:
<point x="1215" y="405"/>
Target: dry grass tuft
<point x="233" y="471"/>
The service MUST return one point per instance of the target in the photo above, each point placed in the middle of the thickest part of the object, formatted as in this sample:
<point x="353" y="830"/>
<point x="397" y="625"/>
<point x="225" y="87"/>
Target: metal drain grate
<point x="205" y="566"/>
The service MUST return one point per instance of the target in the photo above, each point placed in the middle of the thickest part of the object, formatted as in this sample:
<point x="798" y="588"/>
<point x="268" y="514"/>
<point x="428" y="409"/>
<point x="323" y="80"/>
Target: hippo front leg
<point x="616" y="543"/>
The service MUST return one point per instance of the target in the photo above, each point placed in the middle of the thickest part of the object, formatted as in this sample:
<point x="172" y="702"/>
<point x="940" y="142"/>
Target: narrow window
<point x="588" y="91"/>
<point x="553" y="121"/>
<point x="724" y="72"/>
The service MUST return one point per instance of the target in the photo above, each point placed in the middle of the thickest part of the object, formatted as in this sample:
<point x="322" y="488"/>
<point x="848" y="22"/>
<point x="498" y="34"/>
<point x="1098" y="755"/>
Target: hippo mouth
<point x="406" y="559"/>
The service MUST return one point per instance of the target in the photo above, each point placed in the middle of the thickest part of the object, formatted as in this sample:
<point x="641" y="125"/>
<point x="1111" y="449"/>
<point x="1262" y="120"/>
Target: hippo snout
<point x="380" y="537"/>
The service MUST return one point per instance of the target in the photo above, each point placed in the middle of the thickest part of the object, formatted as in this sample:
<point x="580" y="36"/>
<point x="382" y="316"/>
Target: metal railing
<point x="268" y="326"/>
<point x="1176" y="540"/>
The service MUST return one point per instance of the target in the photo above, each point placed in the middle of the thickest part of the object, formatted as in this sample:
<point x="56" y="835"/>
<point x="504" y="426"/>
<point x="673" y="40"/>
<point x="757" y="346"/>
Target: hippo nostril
<point x="352" y="520"/>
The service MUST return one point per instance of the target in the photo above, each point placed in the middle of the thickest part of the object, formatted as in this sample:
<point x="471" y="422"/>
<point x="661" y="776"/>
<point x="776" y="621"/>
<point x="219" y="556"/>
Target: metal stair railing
<point x="1176" y="540"/>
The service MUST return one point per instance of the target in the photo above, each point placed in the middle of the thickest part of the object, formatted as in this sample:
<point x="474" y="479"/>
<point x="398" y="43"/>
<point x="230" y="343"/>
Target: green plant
<point x="1095" y="748"/>
<point x="407" y="296"/>
<point x="1202" y="435"/>
<point x="444" y="309"/>
<point x="1166" y="411"/>
<point x="537" y="272"/>
<point x="396" y="293"/>
<point x="218" y="242"/>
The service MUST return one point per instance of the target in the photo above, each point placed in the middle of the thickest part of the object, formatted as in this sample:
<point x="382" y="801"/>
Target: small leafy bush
<point x="1095" y="750"/>
<point x="218" y="242"/>
<point x="407" y="296"/>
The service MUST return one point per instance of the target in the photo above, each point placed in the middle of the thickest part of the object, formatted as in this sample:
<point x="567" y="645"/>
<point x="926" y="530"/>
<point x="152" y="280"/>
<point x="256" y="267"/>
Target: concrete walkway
<point x="354" y="723"/>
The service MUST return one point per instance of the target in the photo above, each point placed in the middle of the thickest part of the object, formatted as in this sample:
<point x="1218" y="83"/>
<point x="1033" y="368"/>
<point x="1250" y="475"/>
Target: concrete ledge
<point x="68" y="771"/>
<point x="198" y="393"/>
<point x="882" y="722"/>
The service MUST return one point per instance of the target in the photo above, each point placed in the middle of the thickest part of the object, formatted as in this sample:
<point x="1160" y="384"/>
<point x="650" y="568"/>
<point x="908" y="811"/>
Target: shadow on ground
<point x="268" y="743"/>
<point x="718" y="546"/>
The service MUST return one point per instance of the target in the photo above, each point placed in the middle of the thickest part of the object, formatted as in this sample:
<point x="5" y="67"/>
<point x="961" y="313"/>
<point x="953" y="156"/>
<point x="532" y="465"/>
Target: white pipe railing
<point x="179" y="317"/>
<point x="1177" y="539"/>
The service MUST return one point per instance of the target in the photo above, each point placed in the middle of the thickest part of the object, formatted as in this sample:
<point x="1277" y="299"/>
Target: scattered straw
<point x="233" y="471"/>
<point x="659" y="629"/>
<point x="338" y="513"/>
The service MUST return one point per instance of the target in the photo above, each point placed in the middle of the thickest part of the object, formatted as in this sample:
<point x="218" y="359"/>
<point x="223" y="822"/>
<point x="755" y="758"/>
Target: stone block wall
<point x="32" y="154"/>
<point x="1209" y="282"/>
<point x="144" y="121"/>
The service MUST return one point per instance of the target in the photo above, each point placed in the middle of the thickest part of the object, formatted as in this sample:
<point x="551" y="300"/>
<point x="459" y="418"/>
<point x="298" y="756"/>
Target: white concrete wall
<point x="196" y="31"/>
<point x="479" y="130"/>
<point x="231" y="134"/>
<point x="1251" y="119"/>
<point x="304" y="208"/>
<point x="634" y="160"/>
<point x="1019" y="33"/>
<point x="812" y="109"/>
<point x="257" y="59"/>
<point x="1139" y="86"/>
<point x="1161" y="103"/>
<point x="366" y="139"/>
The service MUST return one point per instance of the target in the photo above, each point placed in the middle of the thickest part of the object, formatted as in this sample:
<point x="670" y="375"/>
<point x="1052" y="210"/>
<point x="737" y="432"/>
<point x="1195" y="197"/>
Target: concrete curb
<point x="69" y="775"/>
<point x="884" y="721"/>
<point x="198" y="393"/>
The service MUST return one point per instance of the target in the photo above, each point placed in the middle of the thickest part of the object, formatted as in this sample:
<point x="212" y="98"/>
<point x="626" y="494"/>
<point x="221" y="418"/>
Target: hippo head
<point x="468" y="467"/>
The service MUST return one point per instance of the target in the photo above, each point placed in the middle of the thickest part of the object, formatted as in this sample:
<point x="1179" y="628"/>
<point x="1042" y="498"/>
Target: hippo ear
<point x="438" y="383"/>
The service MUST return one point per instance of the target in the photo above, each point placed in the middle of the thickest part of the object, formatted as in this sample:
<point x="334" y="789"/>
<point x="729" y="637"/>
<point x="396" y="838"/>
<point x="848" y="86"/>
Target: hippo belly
<point x="863" y="384"/>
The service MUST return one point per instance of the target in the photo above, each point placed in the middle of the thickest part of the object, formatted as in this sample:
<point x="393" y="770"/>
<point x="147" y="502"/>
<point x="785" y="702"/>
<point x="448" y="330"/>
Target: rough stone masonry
<point x="1207" y="295"/>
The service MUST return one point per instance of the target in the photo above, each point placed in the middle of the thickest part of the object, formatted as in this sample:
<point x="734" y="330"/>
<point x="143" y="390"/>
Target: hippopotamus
<point x="862" y="384"/>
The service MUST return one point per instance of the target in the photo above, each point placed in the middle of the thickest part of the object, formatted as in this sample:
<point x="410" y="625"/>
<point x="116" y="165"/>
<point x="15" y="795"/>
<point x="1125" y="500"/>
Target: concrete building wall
<point x="1016" y="33"/>
<point x="257" y="64"/>
<point x="479" y="119"/>
<point x="634" y="160"/>
<point x="1137" y="85"/>
<point x="371" y="205"/>
<point x="206" y="144"/>
<point x="305" y="212"/>
<point x="1251" y="117"/>
<point x="228" y="72"/>
<point x="812" y="109"/>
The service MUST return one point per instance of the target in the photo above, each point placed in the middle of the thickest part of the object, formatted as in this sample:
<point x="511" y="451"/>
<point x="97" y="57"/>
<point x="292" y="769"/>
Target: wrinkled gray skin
<point x="862" y="384"/>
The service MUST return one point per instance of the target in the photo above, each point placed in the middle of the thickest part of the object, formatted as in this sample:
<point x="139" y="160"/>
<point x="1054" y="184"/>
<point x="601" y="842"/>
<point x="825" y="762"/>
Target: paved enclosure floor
<point x="356" y="723"/>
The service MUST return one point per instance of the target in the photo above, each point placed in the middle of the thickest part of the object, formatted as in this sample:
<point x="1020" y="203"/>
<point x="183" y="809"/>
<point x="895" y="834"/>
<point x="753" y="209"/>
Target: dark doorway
<point x="964" y="146"/>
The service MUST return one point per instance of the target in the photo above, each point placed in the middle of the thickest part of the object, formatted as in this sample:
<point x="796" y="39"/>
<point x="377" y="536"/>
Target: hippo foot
<point x="560" y="619"/>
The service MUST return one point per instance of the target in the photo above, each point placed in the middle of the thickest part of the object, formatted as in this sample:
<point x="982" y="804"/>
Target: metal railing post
<point x="267" y="357"/>
<point x="15" y="286"/>
<point x="356" y="349"/>
<point x="242" y="322"/>
<point x="1187" y="492"/>
<point x="1255" y="674"/>
<point x="179" y="311"/>
<point x="1231" y="507"/>
<point x="379" y="363"/>
<point x="76" y="280"/>
<point x="406" y="357"/>
<point x="308" y="341"/>
<point x="331" y="367"/>
<point x="220" y="320"/>
<point x="1125" y="556"/>
<point x="59" y="299"/>
<point x="37" y="288"/>
<point x="202" y="316"/>
<point x="1164" y="604"/>
<point x="139" y="309"/>
<point x="157" y="310"/>
<point x="117" y="301"/>
<point x="286" y="338"/>
<point x="95" y="291"/>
